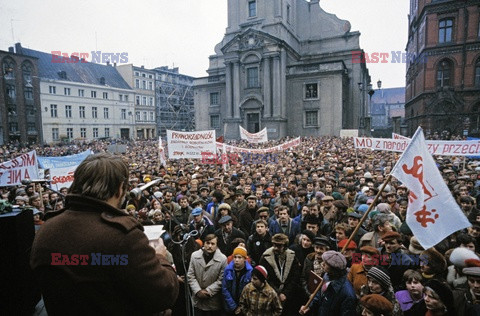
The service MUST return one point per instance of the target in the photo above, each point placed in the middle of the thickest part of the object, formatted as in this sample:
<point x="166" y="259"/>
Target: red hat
<point x="352" y="245"/>
<point x="260" y="272"/>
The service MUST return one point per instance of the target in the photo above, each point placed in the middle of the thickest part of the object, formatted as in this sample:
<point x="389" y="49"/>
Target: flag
<point x="432" y="212"/>
<point x="161" y="152"/>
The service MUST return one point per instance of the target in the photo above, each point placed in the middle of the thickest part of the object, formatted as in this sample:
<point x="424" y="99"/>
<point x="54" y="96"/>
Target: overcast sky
<point x="180" y="33"/>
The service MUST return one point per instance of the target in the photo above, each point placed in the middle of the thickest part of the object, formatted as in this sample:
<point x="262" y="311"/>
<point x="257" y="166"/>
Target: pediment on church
<point x="249" y="40"/>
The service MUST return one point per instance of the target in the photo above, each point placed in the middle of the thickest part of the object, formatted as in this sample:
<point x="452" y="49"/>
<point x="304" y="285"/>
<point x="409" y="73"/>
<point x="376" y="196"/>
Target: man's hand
<point x="203" y="294"/>
<point x="303" y="310"/>
<point x="282" y="297"/>
<point x="159" y="246"/>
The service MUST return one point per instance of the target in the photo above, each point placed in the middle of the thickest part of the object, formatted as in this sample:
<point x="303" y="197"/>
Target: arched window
<point x="444" y="73"/>
<point x="27" y="73"/>
<point x="477" y="73"/>
<point x="8" y="68"/>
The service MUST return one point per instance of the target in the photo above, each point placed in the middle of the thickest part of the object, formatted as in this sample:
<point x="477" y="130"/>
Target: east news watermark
<point x="93" y="259"/>
<point x="393" y="57"/>
<point x="59" y="57"/>
<point x="394" y="259"/>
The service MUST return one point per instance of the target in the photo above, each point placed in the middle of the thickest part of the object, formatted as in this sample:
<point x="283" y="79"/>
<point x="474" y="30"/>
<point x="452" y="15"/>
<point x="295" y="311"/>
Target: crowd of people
<point x="257" y="239"/>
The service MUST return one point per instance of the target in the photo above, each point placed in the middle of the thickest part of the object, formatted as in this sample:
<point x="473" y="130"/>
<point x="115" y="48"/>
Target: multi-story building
<point x="174" y="98"/>
<point x="82" y="100"/>
<point x="387" y="110"/>
<point x="286" y="65"/>
<point x="143" y="82"/>
<point x="20" y="118"/>
<point x="443" y="67"/>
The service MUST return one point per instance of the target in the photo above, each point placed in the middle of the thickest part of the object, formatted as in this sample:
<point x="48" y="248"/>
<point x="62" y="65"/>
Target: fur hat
<point x="280" y="239"/>
<point x="460" y="255"/>
<point x="415" y="247"/>
<point x="436" y="261"/>
<point x="377" y="304"/>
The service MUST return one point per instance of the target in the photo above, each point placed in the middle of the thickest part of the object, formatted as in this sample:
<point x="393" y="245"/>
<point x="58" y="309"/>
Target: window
<point x="144" y="76"/>
<point x="144" y="116"/>
<point x="444" y="73"/>
<point x="144" y="85"/>
<point x="69" y="132"/>
<point x="28" y="93"/>
<point x="150" y="76"/>
<point x="94" y="112"/>
<point x="150" y="85"/>
<point x="93" y="94"/>
<point x="81" y="92"/>
<point x="252" y="77"/>
<point x="477" y="74"/>
<point x="105" y="113"/>
<point x="83" y="132"/>
<point x="137" y="116"/>
<point x="445" y="27"/>
<point x="288" y="13"/>
<point x="126" y="97"/>
<point x="53" y="110"/>
<point x="68" y="111"/>
<point x="13" y="127"/>
<point x="9" y="69"/>
<point x="214" y="98"/>
<point x="107" y="132"/>
<point x="152" y="117"/>
<point x="137" y="73"/>
<point x="215" y="121"/>
<point x="11" y="91"/>
<point x="150" y="101"/>
<point x="311" y="118"/>
<point x="144" y="100"/>
<point x="27" y="73"/>
<point x="31" y="128"/>
<point x="311" y="91"/>
<point x="252" y="8"/>
<point x="105" y="95"/>
<point x="137" y="100"/>
<point x="52" y="89"/>
<point x="54" y="134"/>
<point x="81" y="111"/>
<point x="66" y="91"/>
<point x="123" y="114"/>
<point x="137" y="83"/>
<point x="95" y="132"/>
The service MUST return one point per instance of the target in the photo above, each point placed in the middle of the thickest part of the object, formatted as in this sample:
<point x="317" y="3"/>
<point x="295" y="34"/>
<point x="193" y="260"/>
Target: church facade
<point x="284" y="65"/>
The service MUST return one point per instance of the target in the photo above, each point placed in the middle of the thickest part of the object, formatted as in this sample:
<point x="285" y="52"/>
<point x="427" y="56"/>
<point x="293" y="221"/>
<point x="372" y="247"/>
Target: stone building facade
<point x="285" y="65"/>
<point x="443" y="67"/>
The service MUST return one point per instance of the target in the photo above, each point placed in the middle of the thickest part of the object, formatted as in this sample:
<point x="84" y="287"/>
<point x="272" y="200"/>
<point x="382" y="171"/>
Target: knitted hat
<point x="444" y="292"/>
<point x="260" y="272"/>
<point x="369" y="250"/>
<point x="351" y="246"/>
<point x="334" y="259"/>
<point x="377" y="304"/>
<point x="473" y="267"/>
<point x="415" y="247"/>
<point x="280" y="239"/>
<point x="460" y="255"/>
<point x="436" y="261"/>
<point x="381" y="276"/>
<point x="240" y="251"/>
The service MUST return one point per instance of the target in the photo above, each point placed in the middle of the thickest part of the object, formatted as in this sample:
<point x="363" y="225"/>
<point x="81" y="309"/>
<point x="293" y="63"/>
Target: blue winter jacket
<point x="339" y="299"/>
<point x="231" y="293"/>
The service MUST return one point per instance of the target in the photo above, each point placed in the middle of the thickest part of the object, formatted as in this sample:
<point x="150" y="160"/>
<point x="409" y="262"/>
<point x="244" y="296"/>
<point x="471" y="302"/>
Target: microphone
<point x="135" y="193"/>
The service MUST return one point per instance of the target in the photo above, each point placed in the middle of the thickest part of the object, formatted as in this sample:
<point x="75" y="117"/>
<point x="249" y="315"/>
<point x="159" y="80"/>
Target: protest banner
<point x="432" y="212"/>
<point x="64" y="161"/>
<point x="349" y="133"/>
<point x="190" y="144"/>
<point x="254" y="138"/>
<point x="24" y="167"/>
<point x="398" y="136"/>
<point x="435" y="147"/>
<point x="287" y="145"/>
<point x="62" y="177"/>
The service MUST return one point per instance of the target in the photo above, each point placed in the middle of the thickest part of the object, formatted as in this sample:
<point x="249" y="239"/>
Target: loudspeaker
<point x="19" y="290"/>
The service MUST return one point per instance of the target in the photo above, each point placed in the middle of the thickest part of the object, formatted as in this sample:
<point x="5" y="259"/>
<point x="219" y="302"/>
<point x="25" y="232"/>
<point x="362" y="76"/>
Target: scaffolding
<point x="174" y="96"/>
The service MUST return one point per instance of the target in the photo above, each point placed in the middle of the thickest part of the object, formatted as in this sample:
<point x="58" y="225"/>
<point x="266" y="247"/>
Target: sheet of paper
<point x="153" y="232"/>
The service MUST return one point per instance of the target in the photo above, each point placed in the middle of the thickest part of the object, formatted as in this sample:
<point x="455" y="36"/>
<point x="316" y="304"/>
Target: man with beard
<point x="328" y="209"/>
<point x="226" y="234"/>
<point x="240" y="204"/>
<point x="205" y="275"/>
<point x="168" y="198"/>
<point x="91" y="223"/>
<point x="247" y="216"/>
<point x="283" y="272"/>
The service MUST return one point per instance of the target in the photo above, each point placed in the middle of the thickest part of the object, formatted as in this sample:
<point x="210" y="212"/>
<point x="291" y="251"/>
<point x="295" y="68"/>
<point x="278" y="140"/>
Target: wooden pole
<point x="312" y="296"/>
<point x="366" y="213"/>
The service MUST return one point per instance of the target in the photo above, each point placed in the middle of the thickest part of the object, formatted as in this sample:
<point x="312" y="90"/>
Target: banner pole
<point x="364" y="217"/>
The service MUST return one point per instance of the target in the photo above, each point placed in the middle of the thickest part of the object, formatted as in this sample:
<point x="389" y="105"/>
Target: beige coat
<point x="207" y="276"/>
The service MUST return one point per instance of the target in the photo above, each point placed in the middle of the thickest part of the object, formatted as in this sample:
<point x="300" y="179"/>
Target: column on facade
<point x="267" y="102"/>
<point x="236" y="89"/>
<point x="283" y="83"/>
<point x="276" y="86"/>
<point x="228" y="89"/>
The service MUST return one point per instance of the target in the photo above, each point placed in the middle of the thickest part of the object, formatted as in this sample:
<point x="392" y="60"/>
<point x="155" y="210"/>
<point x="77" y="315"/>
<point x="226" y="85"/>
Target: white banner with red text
<point x="23" y="167"/>
<point x="190" y="144"/>
<point x="435" y="147"/>
<point x="287" y="145"/>
<point x="62" y="177"/>
<point x="398" y="136"/>
<point x="255" y="138"/>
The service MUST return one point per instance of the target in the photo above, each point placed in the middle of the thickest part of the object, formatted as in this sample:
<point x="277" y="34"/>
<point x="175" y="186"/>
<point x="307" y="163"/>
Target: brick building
<point x="443" y="68"/>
